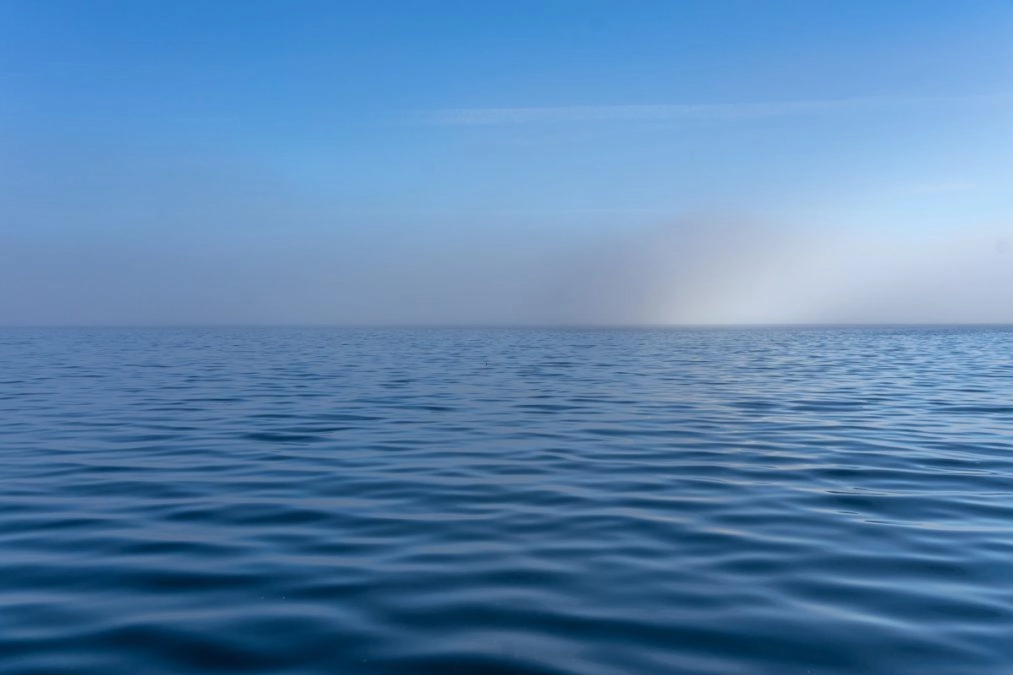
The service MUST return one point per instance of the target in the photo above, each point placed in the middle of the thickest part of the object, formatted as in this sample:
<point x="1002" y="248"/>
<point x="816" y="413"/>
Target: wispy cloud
<point x="943" y="186"/>
<point x="673" y="112"/>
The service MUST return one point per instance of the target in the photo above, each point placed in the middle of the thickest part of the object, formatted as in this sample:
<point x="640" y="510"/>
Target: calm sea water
<point x="506" y="501"/>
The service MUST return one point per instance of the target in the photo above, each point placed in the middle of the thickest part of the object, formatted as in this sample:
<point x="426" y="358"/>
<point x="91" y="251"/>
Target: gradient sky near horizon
<point x="549" y="161"/>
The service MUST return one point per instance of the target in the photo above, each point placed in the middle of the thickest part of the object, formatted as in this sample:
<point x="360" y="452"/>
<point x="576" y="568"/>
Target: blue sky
<point x="506" y="162"/>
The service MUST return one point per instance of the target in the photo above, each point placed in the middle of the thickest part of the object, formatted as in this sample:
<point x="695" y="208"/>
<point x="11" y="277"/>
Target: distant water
<point x="596" y="502"/>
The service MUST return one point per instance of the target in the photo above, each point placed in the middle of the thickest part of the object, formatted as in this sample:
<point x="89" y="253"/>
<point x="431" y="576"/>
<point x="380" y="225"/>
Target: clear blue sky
<point x="500" y="162"/>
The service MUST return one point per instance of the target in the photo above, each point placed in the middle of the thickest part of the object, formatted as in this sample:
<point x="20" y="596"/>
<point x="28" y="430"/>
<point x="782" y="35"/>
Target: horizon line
<point x="506" y="326"/>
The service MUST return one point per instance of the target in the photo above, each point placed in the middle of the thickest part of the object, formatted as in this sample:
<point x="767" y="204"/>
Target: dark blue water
<point x="506" y="501"/>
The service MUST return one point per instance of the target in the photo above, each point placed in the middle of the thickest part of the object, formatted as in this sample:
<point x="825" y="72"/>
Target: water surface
<point x="587" y="502"/>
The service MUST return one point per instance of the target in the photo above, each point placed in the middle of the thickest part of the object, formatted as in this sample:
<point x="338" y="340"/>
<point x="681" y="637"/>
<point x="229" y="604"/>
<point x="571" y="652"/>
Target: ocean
<point x="506" y="501"/>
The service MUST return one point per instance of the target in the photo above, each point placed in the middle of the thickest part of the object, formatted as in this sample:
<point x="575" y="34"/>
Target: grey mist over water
<point x="514" y="501"/>
<point x="231" y="266"/>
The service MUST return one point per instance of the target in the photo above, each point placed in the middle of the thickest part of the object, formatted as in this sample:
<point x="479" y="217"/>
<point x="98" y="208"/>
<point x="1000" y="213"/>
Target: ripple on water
<point x="530" y="502"/>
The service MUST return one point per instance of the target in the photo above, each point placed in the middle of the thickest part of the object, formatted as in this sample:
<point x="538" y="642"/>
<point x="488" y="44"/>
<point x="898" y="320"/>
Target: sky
<point x="523" y="162"/>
